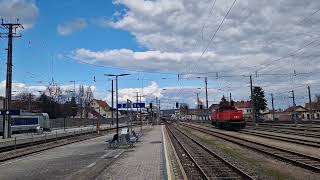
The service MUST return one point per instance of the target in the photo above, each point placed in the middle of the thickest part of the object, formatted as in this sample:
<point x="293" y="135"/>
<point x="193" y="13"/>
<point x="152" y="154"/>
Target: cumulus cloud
<point x="69" y="27"/>
<point x="18" y="87"/>
<point x="148" y="92"/>
<point x="24" y="10"/>
<point x="257" y="37"/>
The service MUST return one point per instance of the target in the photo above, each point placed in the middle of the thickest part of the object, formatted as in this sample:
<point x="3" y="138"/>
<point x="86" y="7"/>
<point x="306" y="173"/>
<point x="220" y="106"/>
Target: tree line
<point x="56" y="102"/>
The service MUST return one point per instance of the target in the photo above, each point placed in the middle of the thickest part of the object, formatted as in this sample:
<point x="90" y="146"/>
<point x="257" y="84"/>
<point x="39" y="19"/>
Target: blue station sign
<point x="10" y="112"/>
<point x="134" y="105"/>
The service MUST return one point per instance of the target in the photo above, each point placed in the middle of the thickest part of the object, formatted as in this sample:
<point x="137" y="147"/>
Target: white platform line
<point x="105" y="155"/>
<point x="91" y="165"/>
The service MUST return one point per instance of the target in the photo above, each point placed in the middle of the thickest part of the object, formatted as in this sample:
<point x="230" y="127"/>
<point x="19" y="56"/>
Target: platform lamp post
<point x="117" y="115"/>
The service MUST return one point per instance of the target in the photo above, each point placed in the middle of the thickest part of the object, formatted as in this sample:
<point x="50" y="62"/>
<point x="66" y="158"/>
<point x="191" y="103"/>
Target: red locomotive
<point x="226" y="116"/>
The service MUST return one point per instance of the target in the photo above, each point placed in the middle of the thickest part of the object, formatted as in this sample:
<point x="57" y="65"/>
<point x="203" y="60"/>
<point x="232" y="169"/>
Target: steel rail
<point x="228" y="165"/>
<point x="298" y="159"/>
<point x="282" y="138"/>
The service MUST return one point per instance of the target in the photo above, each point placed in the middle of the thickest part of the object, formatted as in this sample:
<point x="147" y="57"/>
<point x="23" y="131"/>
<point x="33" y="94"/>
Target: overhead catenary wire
<point x="214" y="34"/>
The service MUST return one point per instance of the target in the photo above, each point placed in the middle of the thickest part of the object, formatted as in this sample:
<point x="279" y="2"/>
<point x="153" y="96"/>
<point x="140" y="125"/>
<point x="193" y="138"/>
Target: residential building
<point x="278" y="116"/>
<point x="299" y="111"/>
<point x="315" y="107"/>
<point x="101" y="107"/>
<point x="245" y="106"/>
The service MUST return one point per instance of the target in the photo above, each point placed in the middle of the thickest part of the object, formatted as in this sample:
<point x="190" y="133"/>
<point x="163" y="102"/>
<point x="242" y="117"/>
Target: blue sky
<point x="42" y="52"/>
<point x="170" y="37"/>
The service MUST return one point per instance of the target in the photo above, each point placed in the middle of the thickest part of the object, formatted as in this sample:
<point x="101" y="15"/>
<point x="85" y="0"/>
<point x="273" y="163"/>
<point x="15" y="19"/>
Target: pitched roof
<point x="290" y="109"/>
<point x="214" y="107"/>
<point x="314" y="105"/>
<point x="102" y="104"/>
<point x="242" y="104"/>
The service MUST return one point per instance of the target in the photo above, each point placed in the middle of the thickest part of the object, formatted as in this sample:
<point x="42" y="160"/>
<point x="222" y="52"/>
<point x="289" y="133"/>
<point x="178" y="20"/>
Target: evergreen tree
<point x="223" y="100"/>
<point x="260" y="103"/>
<point x="73" y="106"/>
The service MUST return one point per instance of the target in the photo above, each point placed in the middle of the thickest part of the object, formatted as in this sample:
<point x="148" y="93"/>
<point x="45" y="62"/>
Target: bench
<point x="114" y="141"/>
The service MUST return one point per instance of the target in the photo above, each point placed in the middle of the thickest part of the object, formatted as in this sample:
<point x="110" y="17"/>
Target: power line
<point x="204" y="23"/>
<point x="214" y="34"/>
<point x="110" y="67"/>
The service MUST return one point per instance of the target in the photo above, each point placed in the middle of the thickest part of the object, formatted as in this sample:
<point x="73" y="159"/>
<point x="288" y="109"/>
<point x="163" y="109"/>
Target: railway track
<point x="199" y="161"/>
<point x="282" y="138"/>
<point x="295" y="158"/>
<point x="288" y="131"/>
<point x="288" y="127"/>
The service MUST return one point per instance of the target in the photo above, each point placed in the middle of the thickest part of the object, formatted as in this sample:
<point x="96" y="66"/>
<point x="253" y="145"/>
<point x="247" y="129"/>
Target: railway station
<point x="159" y="90"/>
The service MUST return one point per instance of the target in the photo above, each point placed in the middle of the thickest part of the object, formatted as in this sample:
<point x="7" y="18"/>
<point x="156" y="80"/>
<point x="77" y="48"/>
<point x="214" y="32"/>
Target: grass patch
<point x="261" y="166"/>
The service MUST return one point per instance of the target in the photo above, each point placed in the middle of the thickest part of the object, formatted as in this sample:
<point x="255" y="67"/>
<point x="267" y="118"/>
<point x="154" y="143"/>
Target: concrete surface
<point x="144" y="161"/>
<point x="63" y="162"/>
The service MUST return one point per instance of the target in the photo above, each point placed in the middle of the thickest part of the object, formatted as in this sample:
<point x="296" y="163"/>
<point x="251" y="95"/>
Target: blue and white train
<point x="28" y="122"/>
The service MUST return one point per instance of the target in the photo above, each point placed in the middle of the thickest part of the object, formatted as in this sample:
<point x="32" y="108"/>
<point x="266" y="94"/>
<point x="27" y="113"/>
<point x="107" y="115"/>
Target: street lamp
<point x="117" y="115"/>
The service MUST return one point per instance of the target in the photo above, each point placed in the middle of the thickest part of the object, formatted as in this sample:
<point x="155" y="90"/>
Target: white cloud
<point x="18" y="87"/>
<point x="150" y="91"/>
<point x="71" y="26"/>
<point x="24" y="10"/>
<point x="254" y="35"/>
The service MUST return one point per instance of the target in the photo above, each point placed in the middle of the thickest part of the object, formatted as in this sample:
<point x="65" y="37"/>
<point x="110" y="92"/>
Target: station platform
<point x="144" y="161"/>
<point x="150" y="158"/>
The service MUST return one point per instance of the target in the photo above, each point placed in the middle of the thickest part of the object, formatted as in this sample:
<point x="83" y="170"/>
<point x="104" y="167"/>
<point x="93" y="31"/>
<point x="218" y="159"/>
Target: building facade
<point x="101" y="107"/>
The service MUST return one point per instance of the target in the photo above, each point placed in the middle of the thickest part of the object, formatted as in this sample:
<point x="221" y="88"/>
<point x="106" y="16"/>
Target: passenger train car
<point x="28" y="122"/>
<point x="226" y="116"/>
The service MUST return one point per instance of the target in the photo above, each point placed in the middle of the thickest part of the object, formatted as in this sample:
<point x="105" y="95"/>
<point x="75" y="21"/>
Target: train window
<point x="24" y="121"/>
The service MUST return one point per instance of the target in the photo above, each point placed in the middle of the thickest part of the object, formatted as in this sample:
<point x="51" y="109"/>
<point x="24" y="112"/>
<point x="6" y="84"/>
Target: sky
<point x="167" y="46"/>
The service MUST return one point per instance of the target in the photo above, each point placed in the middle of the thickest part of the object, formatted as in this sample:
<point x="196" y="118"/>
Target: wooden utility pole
<point x="294" y="108"/>
<point x="310" y="103"/>
<point x="207" y="102"/>
<point x="272" y="107"/>
<point x="252" y="101"/>
<point x="12" y="27"/>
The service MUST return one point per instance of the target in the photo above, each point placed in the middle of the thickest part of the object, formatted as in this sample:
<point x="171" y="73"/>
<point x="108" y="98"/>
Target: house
<point x="299" y="110"/>
<point x="101" y="107"/>
<point x="278" y="116"/>
<point x="213" y="107"/>
<point x="245" y="106"/>
<point x="315" y="107"/>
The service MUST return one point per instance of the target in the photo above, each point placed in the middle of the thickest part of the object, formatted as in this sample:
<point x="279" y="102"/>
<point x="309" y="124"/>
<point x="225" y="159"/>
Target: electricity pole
<point x="12" y="27"/>
<point x="140" y="115"/>
<point x="252" y="102"/>
<point x="198" y="107"/>
<point x="112" y="102"/>
<point x="294" y="108"/>
<point x="310" y="106"/>
<point x="137" y="106"/>
<point x="272" y="107"/>
<point x="207" y="103"/>
<point x="156" y="104"/>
